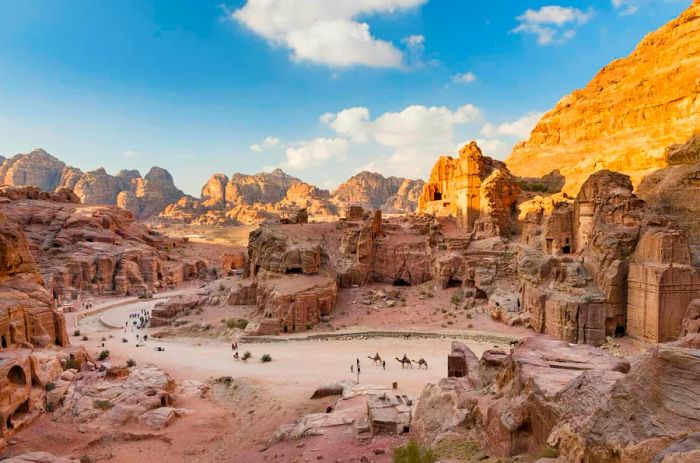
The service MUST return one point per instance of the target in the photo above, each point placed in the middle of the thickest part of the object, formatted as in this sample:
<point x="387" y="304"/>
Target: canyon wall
<point x="628" y="118"/>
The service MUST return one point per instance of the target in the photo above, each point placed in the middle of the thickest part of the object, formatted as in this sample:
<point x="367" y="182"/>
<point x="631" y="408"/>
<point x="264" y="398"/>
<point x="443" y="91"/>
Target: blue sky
<point x="322" y="89"/>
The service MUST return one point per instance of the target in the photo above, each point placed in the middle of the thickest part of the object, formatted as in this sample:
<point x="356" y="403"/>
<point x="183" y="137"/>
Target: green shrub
<point x="72" y="364"/>
<point x="49" y="407"/>
<point x="85" y="338"/>
<point x="266" y="358"/>
<point x="246" y="355"/>
<point x="50" y="387"/>
<point x="85" y="459"/>
<point x="546" y="452"/>
<point x="131" y="363"/>
<point x="236" y="323"/>
<point x="309" y="326"/>
<point x="102" y="404"/>
<point x="104" y="355"/>
<point x="413" y="453"/>
<point x="76" y="333"/>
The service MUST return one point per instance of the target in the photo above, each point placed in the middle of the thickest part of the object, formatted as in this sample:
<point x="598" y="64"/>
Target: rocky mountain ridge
<point x="629" y="116"/>
<point x="142" y="196"/>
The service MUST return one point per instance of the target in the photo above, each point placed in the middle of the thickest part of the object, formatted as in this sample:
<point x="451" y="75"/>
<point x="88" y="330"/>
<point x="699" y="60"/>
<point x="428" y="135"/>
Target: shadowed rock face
<point x="589" y="405"/>
<point x="143" y="197"/>
<point x="627" y="116"/>
<point x="96" y="249"/>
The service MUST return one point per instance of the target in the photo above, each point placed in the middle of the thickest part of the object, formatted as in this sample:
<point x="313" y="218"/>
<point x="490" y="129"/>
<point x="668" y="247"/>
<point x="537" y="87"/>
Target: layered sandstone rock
<point x="603" y="264"/>
<point x="28" y="316"/>
<point x="98" y="249"/>
<point x="628" y="117"/>
<point x="288" y="277"/>
<point x="515" y="413"/>
<point x="143" y="197"/>
<point x="471" y="187"/>
<point x="95" y="401"/>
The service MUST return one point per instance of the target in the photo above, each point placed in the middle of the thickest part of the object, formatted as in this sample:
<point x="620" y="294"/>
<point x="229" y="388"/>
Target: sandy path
<point x="297" y="365"/>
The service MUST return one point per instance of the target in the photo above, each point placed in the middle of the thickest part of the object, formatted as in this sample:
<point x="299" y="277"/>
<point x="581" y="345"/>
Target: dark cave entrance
<point x="401" y="282"/>
<point x="437" y="196"/>
<point x="454" y="283"/>
<point x="619" y="331"/>
<point x="566" y="249"/>
<point x="294" y="270"/>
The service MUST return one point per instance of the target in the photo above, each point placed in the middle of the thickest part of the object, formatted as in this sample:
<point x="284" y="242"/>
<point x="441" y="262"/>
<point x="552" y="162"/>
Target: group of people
<point x="139" y="321"/>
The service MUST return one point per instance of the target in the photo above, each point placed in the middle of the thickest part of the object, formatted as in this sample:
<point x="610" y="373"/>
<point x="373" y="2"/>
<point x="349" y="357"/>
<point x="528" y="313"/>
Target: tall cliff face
<point x="627" y="116"/>
<point x="143" y="197"/>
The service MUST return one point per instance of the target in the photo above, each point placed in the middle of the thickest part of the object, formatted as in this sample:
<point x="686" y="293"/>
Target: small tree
<point x="413" y="453"/>
<point x="246" y="355"/>
<point x="131" y="363"/>
<point x="104" y="355"/>
<point x="76" y="333"/>
<point x="266" y="358"/>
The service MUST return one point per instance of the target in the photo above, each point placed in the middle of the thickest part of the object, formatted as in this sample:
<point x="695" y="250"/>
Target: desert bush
<point x="102" y="404"/>
<point x="85" y="338"/>
<point x="50" y="387"/>
<point x="131" y="363"/>
<point x="266" y="358"/>
<point x="85" y="459"/>
<point x="72" y="364"/>
<point x="413" y="453"/>
<point x="76" y="333"/>
<point x="246" y="355"/>
<point x="104" y="355"/>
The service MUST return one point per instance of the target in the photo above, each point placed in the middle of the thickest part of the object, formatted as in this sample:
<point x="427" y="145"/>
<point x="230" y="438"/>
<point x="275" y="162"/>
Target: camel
<point x="404" y="361"/>
<point x="376" y="360"/>
<point x="421" y="362"/>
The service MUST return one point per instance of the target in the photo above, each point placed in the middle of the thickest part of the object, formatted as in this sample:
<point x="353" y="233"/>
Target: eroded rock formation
<point x="479" y="191"/>
<point x="628" y="117"/>
<point x="586" y="404"/>
<point x="143" y="197"/>
<point x="603" y="264"/>
<point x="97" y="249"/>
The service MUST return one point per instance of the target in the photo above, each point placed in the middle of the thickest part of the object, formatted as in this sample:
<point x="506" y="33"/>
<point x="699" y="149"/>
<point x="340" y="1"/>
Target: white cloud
<point x="492" y="147"/>
<point x="466" y="78"/>
<point x="267" y="143"/>
<point x="416" y="135"/>
<point x="413" y="41"/>
<point x="552" y="24"/>
<point x="314" y="152"/>
<point x="626" y="7"/>
<point x="326" y="31"/>
<point x="130" y="153"/>
<point x="519" y="128"/>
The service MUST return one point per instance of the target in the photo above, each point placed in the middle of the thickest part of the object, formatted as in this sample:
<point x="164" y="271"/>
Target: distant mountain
<point x="143" y="196"/>
<point x="246" y="198"/>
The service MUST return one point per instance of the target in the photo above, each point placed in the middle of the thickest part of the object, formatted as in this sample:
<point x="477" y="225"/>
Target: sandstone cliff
<point x="143" y="196"/>
<point x="93" y="249"/>
<point x="628" y="117"/>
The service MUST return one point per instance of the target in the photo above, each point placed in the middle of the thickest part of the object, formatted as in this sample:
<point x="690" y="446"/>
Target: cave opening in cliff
<point x="4" y="342"/>
<point x="294" y="270"/>
<point x="17" y="415"/>
<point x="454" y="283"/>
<point x="619" y="331"/>
<point x="437" y="196"/>
<point x="401" y="282"/>
<point x="522" y="438"/>
<point x="566" y="249"/>
<point x="16" y="376"/>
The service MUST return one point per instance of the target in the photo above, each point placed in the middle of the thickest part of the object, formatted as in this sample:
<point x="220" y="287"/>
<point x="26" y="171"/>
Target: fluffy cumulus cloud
<point x="266" y="144"/>
<point x="326" y="31"/>
<point x="317" y="151"/>
<point x="552" y="24"/>
<point x="415" y="135"/>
